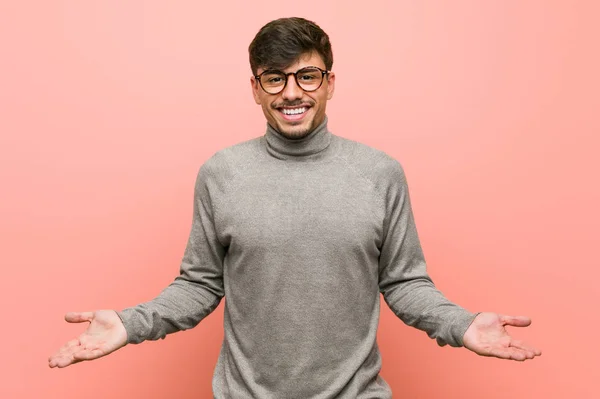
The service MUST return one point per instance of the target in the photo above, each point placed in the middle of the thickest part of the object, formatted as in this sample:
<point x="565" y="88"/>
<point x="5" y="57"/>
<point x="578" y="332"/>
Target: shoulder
<point x="374" y="164"/>
<point x="226" y="162"/>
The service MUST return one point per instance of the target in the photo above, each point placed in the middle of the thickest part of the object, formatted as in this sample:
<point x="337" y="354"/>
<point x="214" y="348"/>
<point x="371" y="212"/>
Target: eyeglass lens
<point x="309" y="79"/>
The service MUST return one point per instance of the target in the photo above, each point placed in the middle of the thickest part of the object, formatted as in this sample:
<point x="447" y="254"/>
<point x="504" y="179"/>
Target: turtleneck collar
<point x="283" y="148"/>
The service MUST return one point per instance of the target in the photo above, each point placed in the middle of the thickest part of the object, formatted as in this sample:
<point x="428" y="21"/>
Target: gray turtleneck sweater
<point x="300" y="237"/>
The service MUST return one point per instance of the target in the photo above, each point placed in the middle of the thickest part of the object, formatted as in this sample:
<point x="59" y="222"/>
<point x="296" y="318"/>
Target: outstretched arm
<point x="193" y="295"/>
<point x="412" y="296"/>
<point x="403" y="279"/>
<point x="199" y="288"/>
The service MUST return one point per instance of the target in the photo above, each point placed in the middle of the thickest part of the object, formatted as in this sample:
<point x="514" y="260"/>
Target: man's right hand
<point x="105" y="334"/>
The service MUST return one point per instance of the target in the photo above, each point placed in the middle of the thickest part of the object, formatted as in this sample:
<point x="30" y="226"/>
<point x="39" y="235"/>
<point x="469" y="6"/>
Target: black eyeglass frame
<point x="286" y="75"/>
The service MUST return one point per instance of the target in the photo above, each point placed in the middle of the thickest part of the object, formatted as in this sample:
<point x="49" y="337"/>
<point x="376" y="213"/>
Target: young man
<point x="300" y="230"/>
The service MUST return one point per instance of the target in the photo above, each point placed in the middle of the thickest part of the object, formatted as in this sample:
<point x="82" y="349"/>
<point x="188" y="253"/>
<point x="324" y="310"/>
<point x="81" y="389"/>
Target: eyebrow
<point x="279" y="70"/>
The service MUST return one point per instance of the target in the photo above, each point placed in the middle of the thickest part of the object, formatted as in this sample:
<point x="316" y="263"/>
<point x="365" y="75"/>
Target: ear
<point x="255" y="89"/>
<point x="330" y="84"/>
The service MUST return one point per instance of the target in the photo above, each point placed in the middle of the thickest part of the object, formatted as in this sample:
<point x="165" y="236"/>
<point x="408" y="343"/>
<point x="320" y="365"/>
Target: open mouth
<point x="294" y="114"/>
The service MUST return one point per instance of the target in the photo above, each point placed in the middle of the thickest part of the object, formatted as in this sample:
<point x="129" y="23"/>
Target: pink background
<point x="108" y="109"/>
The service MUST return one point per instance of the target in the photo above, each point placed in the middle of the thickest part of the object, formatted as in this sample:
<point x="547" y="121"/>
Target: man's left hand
<point x="487" y="336"/>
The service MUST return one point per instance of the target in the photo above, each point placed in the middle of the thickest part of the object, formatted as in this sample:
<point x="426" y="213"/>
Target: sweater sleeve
<point x="403" y="280"/>
<point x="197" y="290"/>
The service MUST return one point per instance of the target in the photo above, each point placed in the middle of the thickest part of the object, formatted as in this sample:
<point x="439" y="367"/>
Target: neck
<point x="313" y="143"/>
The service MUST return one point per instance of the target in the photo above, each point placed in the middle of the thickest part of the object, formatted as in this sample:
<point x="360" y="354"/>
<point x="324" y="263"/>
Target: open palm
<point x="487" y="336"/>
<point x="105" y="334"/>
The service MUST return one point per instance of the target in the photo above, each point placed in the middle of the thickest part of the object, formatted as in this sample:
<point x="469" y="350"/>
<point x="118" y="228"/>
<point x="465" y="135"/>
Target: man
<point x="300" y="230"/>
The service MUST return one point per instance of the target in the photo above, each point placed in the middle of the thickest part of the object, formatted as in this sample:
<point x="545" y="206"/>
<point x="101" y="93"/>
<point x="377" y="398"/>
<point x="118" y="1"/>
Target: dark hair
<point x="282" y="41"/>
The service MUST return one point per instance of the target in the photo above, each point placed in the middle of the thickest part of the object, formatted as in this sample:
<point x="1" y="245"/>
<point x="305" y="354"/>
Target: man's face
<point x="295" y="126"/>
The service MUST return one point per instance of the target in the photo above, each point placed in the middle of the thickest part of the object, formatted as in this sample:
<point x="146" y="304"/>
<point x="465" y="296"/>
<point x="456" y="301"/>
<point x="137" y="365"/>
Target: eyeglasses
<point x="308" y="79"/>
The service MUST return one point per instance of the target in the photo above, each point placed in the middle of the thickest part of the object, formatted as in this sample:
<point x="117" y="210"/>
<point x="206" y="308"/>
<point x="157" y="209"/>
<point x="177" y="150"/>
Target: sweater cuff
<point x="132" y="320"/>
<point x="460" y="326"/>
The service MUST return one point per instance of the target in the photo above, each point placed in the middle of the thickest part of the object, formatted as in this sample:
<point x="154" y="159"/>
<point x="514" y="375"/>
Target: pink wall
<point x="107" y="110"/>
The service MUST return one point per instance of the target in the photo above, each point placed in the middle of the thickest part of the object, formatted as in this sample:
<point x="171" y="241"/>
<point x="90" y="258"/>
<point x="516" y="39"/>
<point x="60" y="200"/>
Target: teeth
<point x="294" y="111"/>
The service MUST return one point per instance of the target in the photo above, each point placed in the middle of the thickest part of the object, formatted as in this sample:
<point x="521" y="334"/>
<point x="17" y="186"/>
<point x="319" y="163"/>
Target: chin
<point x="296" y="133"/>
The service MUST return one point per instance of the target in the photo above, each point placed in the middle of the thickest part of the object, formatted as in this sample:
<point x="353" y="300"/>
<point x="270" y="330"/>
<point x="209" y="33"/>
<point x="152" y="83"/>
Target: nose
<point x="291" y="91"/>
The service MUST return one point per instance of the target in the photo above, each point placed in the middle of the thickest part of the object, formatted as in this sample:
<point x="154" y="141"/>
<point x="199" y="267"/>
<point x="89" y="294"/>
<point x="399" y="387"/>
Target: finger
<point x="88" y="354"/>
<point x="65" y="361"/>
<point x="501" y="353"/>
<point x="521" y="355"/>
<point x="526" y="347"/>
<point x="74" y="355"/>
<point x="516" y="321"/>
<point x="79" y="317"/>
<point x="52" y="361"/>
<point x="509" y="354"/>
<point x="66" y="348"/>
<point x="62" y="360"/>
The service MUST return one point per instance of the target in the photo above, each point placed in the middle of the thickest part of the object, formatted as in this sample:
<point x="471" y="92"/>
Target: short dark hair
<point x="282" y="41"/>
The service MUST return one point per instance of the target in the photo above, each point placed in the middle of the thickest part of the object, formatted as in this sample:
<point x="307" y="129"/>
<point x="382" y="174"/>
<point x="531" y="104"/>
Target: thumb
<point x="516" y="321"/>
<point x="79" y="317"/>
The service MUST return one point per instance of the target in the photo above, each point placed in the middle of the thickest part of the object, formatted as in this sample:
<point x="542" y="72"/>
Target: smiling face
<point x="295" y="113"/>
